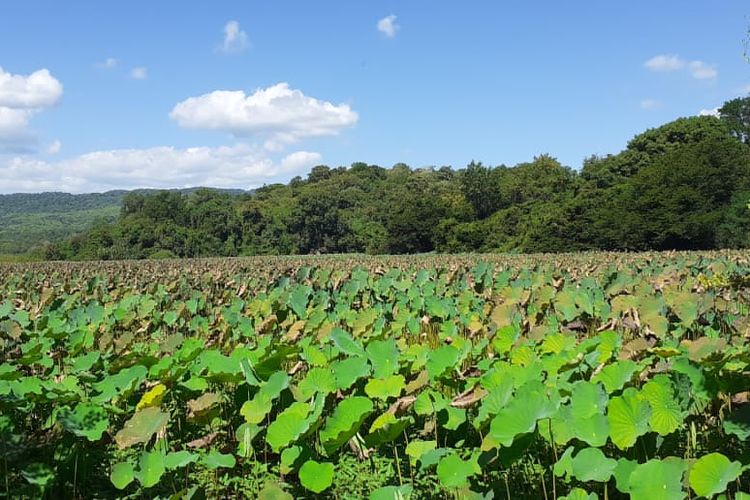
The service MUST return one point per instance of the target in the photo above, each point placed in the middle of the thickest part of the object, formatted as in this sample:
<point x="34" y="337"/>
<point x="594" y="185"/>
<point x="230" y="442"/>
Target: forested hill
<point x="30" y="221"/>
<point x="684" y="185"/>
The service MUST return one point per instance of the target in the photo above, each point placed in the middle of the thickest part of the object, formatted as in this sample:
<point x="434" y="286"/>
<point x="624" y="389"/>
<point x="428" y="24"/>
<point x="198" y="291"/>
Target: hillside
<point x="29" y="220"/>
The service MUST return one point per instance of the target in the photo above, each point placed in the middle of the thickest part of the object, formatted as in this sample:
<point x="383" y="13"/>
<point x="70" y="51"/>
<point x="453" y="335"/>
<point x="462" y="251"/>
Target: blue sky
<point x="103" y="95"/>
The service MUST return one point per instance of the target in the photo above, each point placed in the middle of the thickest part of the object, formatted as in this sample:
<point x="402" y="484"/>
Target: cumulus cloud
<point x="21" y="97"/>
<point x="240" y="166"/>
<point x="388" y="26"/>
<point x="235" y="39"/>
<point x="649" y="104"/>
<point x="669" y="62"/>
<point x="139" y="73"/>
<point x="278" y="114"/>
<point x="37" y="90"/>
<point x="709" y="112"/>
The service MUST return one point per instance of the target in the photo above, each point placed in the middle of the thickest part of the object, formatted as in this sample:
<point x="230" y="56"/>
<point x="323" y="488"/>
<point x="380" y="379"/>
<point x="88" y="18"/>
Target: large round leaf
<point x="151" y="468"/>
<point x="454" y="472"/>
<point x="344" y="422"/>
<point x="666" y="416"/>
<point x="122" y="475"/>
<point x="712" y="473"/>
<point x="85" y="420"/>
<point x="316" y="476"/>
<point x="141" y="426"/>
<point x="658" y="480"/>
<point x="628" y="417"/>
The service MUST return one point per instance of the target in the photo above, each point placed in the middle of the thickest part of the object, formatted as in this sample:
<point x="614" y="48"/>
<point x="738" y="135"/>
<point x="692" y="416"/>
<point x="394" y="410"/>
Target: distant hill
<point x="30" y="220"/>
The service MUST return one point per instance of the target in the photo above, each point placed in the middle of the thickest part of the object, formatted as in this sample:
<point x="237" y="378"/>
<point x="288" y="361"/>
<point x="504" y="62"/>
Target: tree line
<point x="684" y="185"/>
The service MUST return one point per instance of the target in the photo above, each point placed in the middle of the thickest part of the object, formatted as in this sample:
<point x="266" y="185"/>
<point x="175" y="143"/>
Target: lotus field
<point x="574" y="376"/>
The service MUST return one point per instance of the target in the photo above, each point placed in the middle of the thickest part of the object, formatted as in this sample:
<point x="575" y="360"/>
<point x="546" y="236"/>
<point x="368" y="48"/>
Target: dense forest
<point x="684" y="185"/>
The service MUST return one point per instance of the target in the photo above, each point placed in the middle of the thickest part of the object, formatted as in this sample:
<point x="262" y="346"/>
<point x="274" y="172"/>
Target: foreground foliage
<point x="575" y="376"/>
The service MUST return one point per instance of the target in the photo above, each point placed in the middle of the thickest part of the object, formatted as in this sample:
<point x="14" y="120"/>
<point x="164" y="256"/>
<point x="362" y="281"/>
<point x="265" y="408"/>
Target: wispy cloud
<point x="388" y="26"/>
<point x="139" y="73"/>
<point x="235" y="39"/>
<point x="108" y="63"/>
<point x="665" y="63"/>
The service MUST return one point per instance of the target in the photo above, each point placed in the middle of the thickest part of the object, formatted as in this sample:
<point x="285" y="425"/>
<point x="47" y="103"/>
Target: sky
<point x="236" y="94"/>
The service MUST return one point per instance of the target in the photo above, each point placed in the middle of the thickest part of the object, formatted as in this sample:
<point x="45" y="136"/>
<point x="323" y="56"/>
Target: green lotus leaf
<point x="348" y="371"/>
<point x="85" y="420"/>
<point x="256" y="409"/>
<point x="315" y="476"/>
<point x="530" y="404"/>
<point x="317" y="380"/>
<point x="121" y="385"/>
<point x="346" y="343"/>
<point x="628" y="417"/>
<point x="392" y="493"/>
<point x="589" y="464"/>
<point x="666" y="415"/>
<point x="497" y="398"/>
<point x="455" y="417"/>
<point x="658" y="480"/>
<point x="288" y="426"/>
<point x="711" y="474"/>
<point x="615" y="376"/>
<point x="622" y="473"/>
<point x="441" y="360"/>
<point x="141" y="427"/>
<point x="453" y="472"/>
<point x="429" y="402"/>
<point x="386" y="428"/>
<point x="179" y="459"/>
<point x="122" y="475"/>
<point x="344" y="422"/>
<point x="579" y="494"/>
<point x="416" y="448"/>
<point x="386" y="388"/>
<point x="39" y="474"/>
<point x="384" y="356"/>
<point x="292" y="458"/>
<point x="272" y="491"/>
<point x="215" y="460"/>
<point x="150" y="468"/>
<point x="298" y="300"/>
<point x="245" y="434"/>
<point x="738" y="422"/>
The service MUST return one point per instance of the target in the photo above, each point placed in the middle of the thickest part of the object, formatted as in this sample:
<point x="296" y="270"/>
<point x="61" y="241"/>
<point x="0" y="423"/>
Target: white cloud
<point x="388" y="26"/>
<point x="240" y="166"/>
<point x="54" y="147"/>
<point x="669" y="62"/>
<point x="108" y="63"/>
<point x="235" y="39"/>
<point x="702" y="71"/>
<point x="709" y="112"/>
<point x="745" y="89"/>
<point x="277" y="113"/>
<point x="21" y="97"/>
<point x="139" y="73"/>
<point x="649" y="104"/>
<point x="37" y="90"/>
